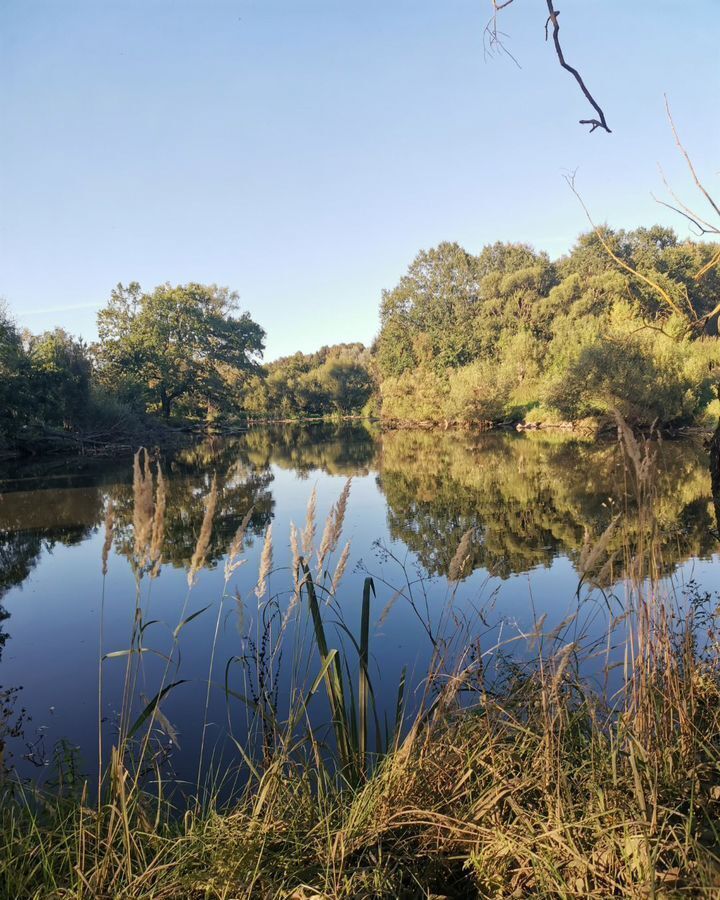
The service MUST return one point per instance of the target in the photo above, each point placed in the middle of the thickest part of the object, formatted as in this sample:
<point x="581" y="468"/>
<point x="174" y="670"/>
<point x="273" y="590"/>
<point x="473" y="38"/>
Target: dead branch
<point x="703" y="226"/>
<point x="496" y="43"/>
<point x="689" y="316"/>
<point x="701" y="223"/>
<point x="700" y="229"/>
<point x="594" y="123"/>
<point x="699" y="184"/>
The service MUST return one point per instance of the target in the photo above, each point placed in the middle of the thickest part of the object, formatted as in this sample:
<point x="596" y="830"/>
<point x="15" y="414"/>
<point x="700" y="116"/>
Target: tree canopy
<point x="508" y="334"/>
<point x="622" y="322"/>
<point x="185" y="345"/>
<point x="334" y="380"/>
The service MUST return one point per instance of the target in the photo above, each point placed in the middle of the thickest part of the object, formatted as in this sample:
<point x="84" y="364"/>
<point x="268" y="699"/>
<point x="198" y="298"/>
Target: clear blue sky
<point x="302" y="151"/>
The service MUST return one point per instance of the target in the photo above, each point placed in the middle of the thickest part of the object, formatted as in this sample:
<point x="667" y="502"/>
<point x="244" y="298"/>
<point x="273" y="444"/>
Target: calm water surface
<point x="531" y="501"/>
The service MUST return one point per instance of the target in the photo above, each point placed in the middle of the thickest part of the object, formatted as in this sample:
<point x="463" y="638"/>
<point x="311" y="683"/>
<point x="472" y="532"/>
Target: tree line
<point x="179" y="353"/>
<point x="621" y="322"/>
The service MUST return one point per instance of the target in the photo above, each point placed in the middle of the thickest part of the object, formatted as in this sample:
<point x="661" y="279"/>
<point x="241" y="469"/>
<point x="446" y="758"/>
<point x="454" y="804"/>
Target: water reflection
<point x="241" y="486"/>
<point x="532" y="497"/>
<point x="31" y="523"/>
<point x="529" y="498"/>
<point x="345" y="449"/>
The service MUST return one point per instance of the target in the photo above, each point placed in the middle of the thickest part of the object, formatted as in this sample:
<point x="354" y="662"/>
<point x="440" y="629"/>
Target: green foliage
<point x="502" y="336"/>
<point x="508" y="333"/>
<point x="60" y="371"/>
<point x="45" y="380"/>
<point x="13" y="377"/>
<point x="644" y="377"/>
<point x="178" y="346"/>
<point x="447" y="310"/>
<point x="335" y="380"/>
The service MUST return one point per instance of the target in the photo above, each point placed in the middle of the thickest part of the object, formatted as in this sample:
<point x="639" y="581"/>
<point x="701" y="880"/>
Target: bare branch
<point x="492" y="38"/>
<point x="595" y="123"/>
<point x="495" y="44"/>
<point x="705" y="226"/>
<point x="699" y="184"/>
<point x="690" y="316"/>
<point x="700" y="230"/>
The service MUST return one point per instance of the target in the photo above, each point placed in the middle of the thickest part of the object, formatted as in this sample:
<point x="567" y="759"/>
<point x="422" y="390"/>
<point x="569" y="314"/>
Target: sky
<point x="302" y="152"/>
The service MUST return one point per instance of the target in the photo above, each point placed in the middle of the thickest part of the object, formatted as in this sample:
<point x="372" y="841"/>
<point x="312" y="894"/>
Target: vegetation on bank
<point x="336" y="380"/>
<point x="514" y="774"/>
<point x="627" y="321"/>
<point x="623" y="322"/>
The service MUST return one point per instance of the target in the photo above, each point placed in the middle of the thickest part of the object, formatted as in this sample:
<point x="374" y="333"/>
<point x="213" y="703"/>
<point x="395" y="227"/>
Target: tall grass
<point x="513" y="775"/>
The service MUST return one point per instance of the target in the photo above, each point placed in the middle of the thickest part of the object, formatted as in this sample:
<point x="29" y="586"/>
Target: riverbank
<point x="121" y="440"/>
<point x="124" y="441"/>
<point x="126" y="437"/>
<point x="539" y="788"/>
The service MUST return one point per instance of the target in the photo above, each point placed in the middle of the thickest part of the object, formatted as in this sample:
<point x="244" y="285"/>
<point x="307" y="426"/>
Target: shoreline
<point x="157" y="435"/>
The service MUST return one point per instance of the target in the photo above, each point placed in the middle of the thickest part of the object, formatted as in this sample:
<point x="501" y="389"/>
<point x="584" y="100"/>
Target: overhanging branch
<point x="495" y="41"/>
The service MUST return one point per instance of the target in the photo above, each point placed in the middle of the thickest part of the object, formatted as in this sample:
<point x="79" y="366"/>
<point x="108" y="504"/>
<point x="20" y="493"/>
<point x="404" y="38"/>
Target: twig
<point x="690" y="318"/>
<point x="705" y="226"/>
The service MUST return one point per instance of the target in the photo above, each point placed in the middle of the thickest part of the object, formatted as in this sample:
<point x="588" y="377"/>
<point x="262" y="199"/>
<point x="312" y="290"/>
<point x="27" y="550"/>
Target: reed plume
<point x="295" y="547"/>
<point x="236" y="547"/>
<point x="340" y="568"/>
<point x="308" y="536"/>
<point x="266" y="560"/>
<point x="458" y="564"/>
<point x="109" y="529"/>
<point x="325" y="541"/>
<point x="591" y="554"/>
<point x="340" y="510"/>
<point x="203" y="541"/>
<point x="333" y="526"/>
<point x="158" y="525"/>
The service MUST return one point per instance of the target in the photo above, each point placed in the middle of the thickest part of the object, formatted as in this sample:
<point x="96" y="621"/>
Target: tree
<point x="451" y="307"/>
<point x="438" y="298"/>
<point x="347" y="384"/>
<point x="509" y="333"/>
<point x="335" y="379"/>
<point x="60" y="377"/>
<point x="13" y="375"/>
<point x="178" y="344"/>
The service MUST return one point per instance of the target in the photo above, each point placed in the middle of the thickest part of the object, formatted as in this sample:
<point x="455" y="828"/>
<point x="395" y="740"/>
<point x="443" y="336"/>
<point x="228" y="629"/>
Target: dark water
<point x="532" y="502"/>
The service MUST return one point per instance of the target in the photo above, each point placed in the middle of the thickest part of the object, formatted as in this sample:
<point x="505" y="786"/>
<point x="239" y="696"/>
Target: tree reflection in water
<point x="528" y="497"/>
<point x="531" y="497"/>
